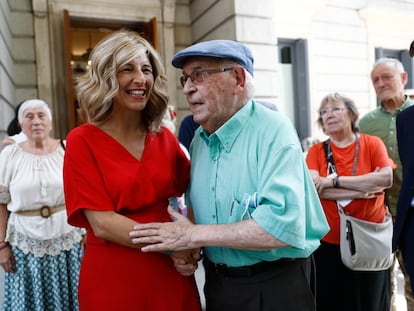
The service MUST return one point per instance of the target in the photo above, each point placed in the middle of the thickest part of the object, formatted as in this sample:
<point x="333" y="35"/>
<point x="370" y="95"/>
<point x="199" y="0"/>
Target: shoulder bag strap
<point x="329" y="157"/>
<point x="62" y="144"/>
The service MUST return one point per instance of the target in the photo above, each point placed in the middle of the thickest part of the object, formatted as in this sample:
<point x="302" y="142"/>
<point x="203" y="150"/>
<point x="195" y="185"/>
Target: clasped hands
<point x="169" y="236"/>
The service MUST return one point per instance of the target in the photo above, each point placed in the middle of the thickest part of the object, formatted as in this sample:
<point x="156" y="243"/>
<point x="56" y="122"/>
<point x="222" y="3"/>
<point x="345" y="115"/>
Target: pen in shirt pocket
<point x="248" y="201"/>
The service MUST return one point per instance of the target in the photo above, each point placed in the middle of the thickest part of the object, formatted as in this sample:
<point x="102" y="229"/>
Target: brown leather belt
<point x="44" y="211"/>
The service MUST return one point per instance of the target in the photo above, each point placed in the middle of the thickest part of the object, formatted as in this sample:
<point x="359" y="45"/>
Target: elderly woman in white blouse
<point x="39" y="251"/>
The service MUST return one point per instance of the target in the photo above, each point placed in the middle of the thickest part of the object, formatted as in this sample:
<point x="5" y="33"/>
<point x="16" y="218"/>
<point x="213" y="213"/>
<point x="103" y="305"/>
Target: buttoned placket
<point x="392" y="148"/>
<point x="214" y="148"/>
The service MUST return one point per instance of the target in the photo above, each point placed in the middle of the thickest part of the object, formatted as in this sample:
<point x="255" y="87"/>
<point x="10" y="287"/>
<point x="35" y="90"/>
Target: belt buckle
<point x="45" y="211"/>
<point x="226" y="271"/>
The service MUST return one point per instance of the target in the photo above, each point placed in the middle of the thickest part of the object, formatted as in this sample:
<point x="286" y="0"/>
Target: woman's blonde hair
<point x="99" y="85"/>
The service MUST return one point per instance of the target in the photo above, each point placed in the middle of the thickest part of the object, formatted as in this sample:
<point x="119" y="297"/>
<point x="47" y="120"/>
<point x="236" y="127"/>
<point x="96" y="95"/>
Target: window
<point x="294" y="83"/>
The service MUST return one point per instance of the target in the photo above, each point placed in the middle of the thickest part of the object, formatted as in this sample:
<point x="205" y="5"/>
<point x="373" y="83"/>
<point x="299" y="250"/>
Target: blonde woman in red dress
<point x="120" y="169"/>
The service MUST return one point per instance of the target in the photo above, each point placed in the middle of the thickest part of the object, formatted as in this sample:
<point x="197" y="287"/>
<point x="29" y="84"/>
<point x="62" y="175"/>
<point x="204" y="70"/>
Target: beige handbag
<point x="365" y="245"/>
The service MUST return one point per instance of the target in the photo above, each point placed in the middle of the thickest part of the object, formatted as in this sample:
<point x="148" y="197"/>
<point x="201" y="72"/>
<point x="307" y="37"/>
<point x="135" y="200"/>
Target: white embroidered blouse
<point x="29" y="182"/>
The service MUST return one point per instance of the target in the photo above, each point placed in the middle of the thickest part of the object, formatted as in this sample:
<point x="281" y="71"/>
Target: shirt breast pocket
<point x="242" y="209"/>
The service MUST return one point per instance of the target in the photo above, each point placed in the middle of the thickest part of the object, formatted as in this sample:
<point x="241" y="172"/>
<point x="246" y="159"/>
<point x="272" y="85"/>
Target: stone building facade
<point x="303" y="49"/>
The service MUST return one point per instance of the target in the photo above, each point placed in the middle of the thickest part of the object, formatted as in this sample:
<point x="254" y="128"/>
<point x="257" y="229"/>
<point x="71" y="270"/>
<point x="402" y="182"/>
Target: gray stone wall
<point x="17" y="61"/>
<point x="341" y="35"/>
<point x="182" y="38"/>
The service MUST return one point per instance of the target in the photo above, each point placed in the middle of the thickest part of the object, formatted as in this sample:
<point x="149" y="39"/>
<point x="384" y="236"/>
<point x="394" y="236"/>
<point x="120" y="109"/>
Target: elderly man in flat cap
<point x="258" y="216"/>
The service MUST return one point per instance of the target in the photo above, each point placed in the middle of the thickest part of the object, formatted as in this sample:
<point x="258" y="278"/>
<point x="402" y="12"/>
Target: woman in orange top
<point x="363" y="171"/>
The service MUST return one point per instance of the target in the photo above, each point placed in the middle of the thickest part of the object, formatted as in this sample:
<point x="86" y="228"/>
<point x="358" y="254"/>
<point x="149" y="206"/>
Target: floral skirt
<point x="48" y="283"/>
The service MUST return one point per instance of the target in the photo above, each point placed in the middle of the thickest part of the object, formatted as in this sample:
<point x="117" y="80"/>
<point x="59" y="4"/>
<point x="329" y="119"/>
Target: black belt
<point x="245" y="271"/>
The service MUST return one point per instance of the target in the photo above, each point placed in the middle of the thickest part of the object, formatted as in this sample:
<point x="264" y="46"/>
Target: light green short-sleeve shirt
<point x="253" y="167"/>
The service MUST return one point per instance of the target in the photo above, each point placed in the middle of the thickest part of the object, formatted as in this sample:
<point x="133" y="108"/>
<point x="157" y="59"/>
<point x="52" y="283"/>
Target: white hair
<point x="391" y="61"/>
<point x="33" y="103"/>
<point x="249" y="85"/>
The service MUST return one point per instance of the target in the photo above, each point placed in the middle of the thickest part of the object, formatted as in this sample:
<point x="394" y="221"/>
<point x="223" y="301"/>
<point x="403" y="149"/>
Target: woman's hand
<point x="186" y="262"/>
<point x="7" y="261"/>
<point x="370" y="195"/>
<point x="321" y="182"/>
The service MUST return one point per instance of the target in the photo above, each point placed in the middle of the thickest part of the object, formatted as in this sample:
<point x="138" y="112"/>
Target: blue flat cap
<point x="217" y="48"/>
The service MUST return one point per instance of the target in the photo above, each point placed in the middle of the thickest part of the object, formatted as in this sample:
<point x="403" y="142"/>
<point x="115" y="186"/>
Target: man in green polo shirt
<point x="389" y="79"/>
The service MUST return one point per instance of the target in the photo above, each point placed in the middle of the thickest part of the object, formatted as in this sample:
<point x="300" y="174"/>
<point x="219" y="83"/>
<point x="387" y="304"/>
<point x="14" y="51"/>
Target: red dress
<point x="100" y="174"/>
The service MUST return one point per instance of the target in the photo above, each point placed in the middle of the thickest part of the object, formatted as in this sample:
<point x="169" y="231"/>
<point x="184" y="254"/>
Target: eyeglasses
<point x="198" y="76"/>
<point x="335" y="110"/>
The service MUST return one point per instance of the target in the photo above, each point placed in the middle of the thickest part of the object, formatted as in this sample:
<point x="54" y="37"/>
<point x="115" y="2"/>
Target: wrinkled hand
<point x="186" y="262"/>
<point x="7" y="261"/>
<point x="321" y="183"/>
<point x="165" y="236"/>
